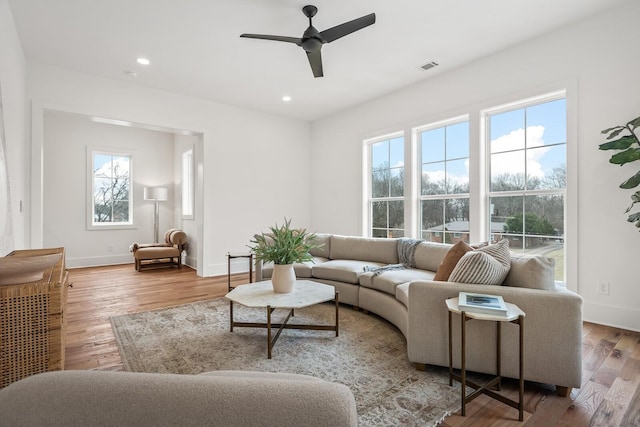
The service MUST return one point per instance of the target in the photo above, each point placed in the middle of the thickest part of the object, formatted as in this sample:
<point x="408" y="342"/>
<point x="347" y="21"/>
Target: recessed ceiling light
<point x="143" y="61"/>
<point x="286" y="98"/>
<point x="131" y="73"/>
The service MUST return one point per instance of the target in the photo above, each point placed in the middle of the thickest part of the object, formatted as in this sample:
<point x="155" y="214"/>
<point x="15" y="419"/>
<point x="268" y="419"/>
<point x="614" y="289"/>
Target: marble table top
<point x="260" y="294"/>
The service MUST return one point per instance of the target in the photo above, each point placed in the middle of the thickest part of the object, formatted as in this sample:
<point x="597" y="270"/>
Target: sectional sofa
<point x="367" y="274"/>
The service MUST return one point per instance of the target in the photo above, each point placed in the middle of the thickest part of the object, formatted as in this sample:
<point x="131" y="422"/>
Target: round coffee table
<point x="261" y="295"/>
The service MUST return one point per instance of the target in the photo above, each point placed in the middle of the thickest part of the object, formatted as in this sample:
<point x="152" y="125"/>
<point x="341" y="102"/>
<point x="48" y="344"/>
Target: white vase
<point x="283" y="278"/>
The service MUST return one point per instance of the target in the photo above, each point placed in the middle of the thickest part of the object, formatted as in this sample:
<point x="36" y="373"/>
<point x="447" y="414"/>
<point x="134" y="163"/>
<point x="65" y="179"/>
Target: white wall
<point x="255" y="166"/>
<point x="595" y="59"/>
<point x="183" y="143"/>
<point x="67" y="137"/>
<point x="13" y="84"/>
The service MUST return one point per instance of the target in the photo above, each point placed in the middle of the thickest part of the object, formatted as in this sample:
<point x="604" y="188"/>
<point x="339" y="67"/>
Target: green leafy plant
<point x="284" y="245"/>
<point x="628" y="144"/>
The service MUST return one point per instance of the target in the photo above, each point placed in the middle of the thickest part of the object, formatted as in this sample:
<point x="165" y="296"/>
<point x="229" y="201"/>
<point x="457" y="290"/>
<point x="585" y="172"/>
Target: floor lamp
<point x="157" y="194"/>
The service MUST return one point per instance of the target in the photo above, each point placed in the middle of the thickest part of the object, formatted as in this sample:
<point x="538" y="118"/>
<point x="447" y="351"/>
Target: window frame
<point x="417" y="132"/>
<point x="368" y="186"/>
<point x="188" y="185"/>
<point x="478" y="185"/>
<point x="524" y="193"/>
<point x="90" y="223"/>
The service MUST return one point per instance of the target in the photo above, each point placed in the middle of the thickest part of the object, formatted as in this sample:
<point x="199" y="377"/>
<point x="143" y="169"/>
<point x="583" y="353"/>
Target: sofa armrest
<point x="552" y="332"/>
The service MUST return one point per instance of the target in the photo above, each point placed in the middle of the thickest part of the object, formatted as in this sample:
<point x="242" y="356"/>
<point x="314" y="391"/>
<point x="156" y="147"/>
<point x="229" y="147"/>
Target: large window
<point x="110" y="189"/>
<point x="444" y="182"/>
<point x="386" y="198"/>
<point x="527" y="164"/>
<point x="505" y="177"/>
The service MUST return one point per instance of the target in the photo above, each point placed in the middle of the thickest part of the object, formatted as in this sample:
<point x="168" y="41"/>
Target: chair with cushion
<point x="167" y="254"/>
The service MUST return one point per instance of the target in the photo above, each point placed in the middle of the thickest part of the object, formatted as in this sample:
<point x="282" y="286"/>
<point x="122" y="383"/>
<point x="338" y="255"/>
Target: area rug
<point x="369" y="356"/>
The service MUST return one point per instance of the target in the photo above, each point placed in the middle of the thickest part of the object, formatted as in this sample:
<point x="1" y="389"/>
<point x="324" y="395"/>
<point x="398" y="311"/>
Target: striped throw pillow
<point x="488" y="265"/>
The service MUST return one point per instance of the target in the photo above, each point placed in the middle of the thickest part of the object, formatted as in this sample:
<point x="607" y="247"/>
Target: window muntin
<point x="111" y="189"/>
<point x="527" y="178"/>
<point x="386" y="199"/>
<point x="444" y="182"/>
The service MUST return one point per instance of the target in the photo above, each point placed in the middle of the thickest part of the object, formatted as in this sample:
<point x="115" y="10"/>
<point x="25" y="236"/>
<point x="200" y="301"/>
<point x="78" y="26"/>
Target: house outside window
<point x="386" y="194"/>
<point x="110" y="190"/>
<point x="444" y="181"/>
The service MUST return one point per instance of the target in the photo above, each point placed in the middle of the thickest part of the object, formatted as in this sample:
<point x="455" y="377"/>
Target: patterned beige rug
<point x="369" y="356"/>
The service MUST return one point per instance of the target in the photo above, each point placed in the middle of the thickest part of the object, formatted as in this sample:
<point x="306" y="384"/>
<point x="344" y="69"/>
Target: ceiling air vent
<point x="429" y="65"/>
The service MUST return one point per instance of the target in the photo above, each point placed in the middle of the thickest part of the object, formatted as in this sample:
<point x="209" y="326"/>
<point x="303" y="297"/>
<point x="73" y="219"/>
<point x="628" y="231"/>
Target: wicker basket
<point x="32" y="322"/>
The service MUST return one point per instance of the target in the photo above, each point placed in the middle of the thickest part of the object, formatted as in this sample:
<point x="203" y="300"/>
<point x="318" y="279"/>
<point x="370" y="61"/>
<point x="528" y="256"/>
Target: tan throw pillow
<point x="451" y="260"/>
<point x="485" y="266"/>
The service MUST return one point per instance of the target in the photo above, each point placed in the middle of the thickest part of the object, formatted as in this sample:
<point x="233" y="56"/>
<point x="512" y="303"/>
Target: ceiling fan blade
<point x="315" y="60"/>
<point x="294" y="40"/>
<point x="342" y="30"/>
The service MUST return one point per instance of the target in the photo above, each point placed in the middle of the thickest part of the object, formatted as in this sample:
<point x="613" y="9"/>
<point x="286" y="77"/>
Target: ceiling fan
<point x="312" y="39"/>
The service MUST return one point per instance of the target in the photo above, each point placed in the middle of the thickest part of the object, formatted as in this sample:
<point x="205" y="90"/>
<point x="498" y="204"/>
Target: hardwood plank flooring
<point x="609" y="396"/>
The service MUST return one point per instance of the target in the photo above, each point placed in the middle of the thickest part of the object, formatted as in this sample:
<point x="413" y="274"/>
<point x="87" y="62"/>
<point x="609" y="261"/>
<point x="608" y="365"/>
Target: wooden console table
<point x="33" y="319"/>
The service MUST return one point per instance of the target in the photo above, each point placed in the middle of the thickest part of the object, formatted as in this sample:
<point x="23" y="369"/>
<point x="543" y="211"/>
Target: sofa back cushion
<point x="324" y="241"/>
<point x="451" y="260"/>
<point x="429" y="255"/>
<point x="531" y="271"/>
<point x="364" y="249"/>
<point x="488" y="265"/>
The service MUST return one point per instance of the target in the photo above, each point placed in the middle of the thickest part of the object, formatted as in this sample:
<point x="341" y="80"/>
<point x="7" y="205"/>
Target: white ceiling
<point x="195" y="48"/>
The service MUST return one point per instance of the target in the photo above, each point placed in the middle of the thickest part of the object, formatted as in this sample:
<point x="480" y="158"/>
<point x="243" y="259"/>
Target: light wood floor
<point x="610" y="393"/>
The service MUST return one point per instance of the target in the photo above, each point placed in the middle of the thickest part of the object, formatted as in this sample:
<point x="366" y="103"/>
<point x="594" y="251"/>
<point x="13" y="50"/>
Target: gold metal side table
<point x="231" y="256"/>
<point x="514" y="315"/>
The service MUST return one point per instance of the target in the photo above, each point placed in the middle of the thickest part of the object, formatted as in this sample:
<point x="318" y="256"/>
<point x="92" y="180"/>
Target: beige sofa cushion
<point x="429" y="255"/>
<point x="387" y="281"/>
<point x="324" y="240"/>
<point x="532" y="271"/>
<point x="342" y="270"/>
<point x="383" y="251"/>
<point x="302" y="270"/>
<point x="488" y="265"/>
<point x="402" y="293"/>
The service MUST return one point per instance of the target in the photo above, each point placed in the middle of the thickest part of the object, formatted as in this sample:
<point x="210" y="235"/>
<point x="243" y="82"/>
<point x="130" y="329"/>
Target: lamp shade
<point x="156" y="193"/>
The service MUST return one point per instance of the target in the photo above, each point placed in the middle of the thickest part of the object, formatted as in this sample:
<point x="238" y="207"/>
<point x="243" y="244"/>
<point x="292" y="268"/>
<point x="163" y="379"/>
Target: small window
<point x="187" y="185"/>
<point x="110" y="190"/>
<point x="386" y="178"/>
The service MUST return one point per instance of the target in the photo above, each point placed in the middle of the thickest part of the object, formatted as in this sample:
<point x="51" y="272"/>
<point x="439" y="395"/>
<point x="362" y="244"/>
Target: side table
<point x="514" y="315"/>
<point x="231" y="256"/>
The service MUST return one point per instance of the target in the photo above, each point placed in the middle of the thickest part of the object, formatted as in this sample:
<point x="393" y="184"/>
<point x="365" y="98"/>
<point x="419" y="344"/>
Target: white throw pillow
<point x="488" y="265"/>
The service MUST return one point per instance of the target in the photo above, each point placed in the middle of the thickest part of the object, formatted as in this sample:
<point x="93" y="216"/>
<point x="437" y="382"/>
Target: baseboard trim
<point x="611" y="315"/>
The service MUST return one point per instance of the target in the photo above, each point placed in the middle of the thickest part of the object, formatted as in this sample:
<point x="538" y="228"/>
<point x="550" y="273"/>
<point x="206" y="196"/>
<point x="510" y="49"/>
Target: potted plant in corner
<point x="623" y="138"/>
<point x="284" y="246"/>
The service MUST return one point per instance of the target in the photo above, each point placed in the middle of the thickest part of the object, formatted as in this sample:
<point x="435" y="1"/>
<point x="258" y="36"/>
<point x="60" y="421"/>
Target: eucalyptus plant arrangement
<point x="625" y="140"/>
<point x="284" y="245"/>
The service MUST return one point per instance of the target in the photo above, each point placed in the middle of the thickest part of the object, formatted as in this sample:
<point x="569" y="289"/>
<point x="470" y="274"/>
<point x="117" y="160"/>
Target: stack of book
<point x="482" y="303"/>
